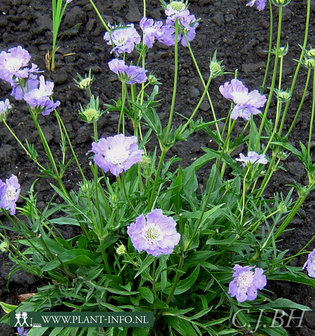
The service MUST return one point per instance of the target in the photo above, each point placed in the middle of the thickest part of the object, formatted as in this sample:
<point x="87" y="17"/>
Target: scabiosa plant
<point x="131" y="74"/>
<point x="150" y="30"/>
<point x="260" y="4"/>
<point x="116" y="153"/>
<point x="246" y="103"/>
<point x="310" y="264"/>
<point x="39" y="97"/>
<point x="252" y="158"/>
<point x="9" y="193"/>
<point x="122" y="38"/>
<point x="246" y="282"/>
<point x="154" y="233"/>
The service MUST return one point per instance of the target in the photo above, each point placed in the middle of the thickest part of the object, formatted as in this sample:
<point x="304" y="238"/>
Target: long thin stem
<point x="204" y="85"/>
<point x="273" y="81"/>
<point x="170" y="118"/>
<point x="269" y="47"/>
<point x="299" y="108"/>
<point x="99" y="16"/>
<point x="23" y="147"/>
<point x="311" y="121"/>
<point x="307" y="23"/>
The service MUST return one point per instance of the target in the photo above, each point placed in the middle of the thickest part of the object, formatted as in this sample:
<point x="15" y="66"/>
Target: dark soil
<point x="240" y="36"/>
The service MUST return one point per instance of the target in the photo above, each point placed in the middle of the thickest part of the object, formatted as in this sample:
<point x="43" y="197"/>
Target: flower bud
<point x="4" y="246"/>
<point x="283" y="96"/>
<point x="91" y="112"/>
<point x="86" y="82"/>
<point x="121" y="249"/>
<point x="283" y="208"/>
<point x="216" y="69"/>
<point x="4" y="109"/>
<point x="281" y="3"/>
<point x="311" y="53"/>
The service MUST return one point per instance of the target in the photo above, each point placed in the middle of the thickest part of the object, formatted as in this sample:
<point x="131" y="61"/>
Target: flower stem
<point x="22" y="146"/>
<point x="168" y="127"/>
<point x="273" y="81"/>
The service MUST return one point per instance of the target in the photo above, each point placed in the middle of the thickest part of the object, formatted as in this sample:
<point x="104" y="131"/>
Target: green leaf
<point x="74" y="256"/>
<point x="184" y="285"/>
<point x="299" y="278"/>
<point x="146" y="294"/>
<point x="8" y="308"/>
<point x="183" y="327"/>
<point x="141" y="331"/>
<point x="37" y="331"/>
<point x="145" y="264"/>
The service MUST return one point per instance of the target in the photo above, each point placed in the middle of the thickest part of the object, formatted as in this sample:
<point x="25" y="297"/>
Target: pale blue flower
<point x="116" y="153"/>
<point x="246" y="282"/>
<point x="154" y="233"/>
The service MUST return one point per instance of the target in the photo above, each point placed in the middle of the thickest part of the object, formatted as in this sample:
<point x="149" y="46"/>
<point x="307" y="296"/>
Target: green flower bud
<point x="311" y="53"/>
<point x="281" y="3"/>
<point x="283" y="96"/>
<point x="309" y="63"/>
<point x="84" y="82"/>
<point x="4" y="246"/>
<point x="91" y="112"/>
<point x="121" y="249"/>
<point x="283" y="208"/>
<point x="216" y="69"/>
<point x="178" y="6"/>
<point x="153" y="80"/>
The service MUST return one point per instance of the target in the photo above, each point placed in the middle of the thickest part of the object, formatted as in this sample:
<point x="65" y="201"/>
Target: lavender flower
<point x="246" y="103"/>
<point x="39" y="97"/>
<point x="246" y="282"/>
<point x="154" y="233"/>
<point x="4" y="107"/>
<point x="310" y="264"/>
<point x="252" y="157"/>
<point x="13" y="64"/>
<point x="260" y="4"/>
<point x="116" y="153"/>
<point x="30" y="84"/>
<point x="187" y="25"/>
<point x="21" y="331"/>
<point x="130" y="74"/>
<point x="9" y="193"/>
<point x="124" y="38"/>
<point x="150" y="30"/>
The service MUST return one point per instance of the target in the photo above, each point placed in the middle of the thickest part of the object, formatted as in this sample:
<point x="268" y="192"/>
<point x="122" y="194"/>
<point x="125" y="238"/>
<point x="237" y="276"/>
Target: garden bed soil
<point x="240" y="36"/>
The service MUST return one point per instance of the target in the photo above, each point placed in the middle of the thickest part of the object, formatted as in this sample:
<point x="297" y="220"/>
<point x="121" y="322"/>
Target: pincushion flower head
<point x="260" y="4"/>
<point x="246" y="282"/>
<point x="252" y="158"/>
<point x="9" y="193"/>
<point x="246" y="103"/>
<point x="122" y="38"/>
<point x="176" y="9"/>
<point x="131" y="74"/>
<point x="116" y="153"/>
<point x="13" y="64"/>
<point x="39" y="97"/>
<point x="154" y="233"/>
<point x="150" y="30"/>
<point x="310" y="264"/>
